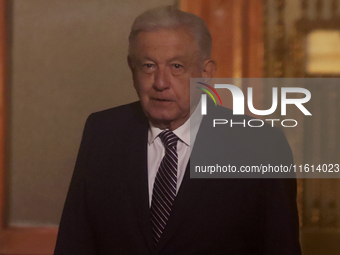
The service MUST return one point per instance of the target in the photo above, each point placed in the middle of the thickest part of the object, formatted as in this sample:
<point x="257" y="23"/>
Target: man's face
<point x="162" y="64"/>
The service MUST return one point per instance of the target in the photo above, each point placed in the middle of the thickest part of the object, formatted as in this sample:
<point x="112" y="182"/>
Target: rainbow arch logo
<point x="209" y="93"/>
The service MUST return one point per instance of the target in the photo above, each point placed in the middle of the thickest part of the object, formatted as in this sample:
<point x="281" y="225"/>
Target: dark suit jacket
<point x="107" y="206"/>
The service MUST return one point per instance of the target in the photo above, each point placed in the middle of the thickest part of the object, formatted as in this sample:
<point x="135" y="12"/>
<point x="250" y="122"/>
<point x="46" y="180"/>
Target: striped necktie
<point x="164" y="188"/>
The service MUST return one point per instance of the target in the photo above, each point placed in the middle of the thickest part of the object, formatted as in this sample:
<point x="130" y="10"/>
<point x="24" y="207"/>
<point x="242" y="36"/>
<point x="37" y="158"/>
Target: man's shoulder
<point x="118" y="120"/>
<point x="133" y="108"/>
<point x="131" y="112"/>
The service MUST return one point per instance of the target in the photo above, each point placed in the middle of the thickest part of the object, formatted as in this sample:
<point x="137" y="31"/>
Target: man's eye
<point x="177" y="66"/>
<point x="148" y="65"/>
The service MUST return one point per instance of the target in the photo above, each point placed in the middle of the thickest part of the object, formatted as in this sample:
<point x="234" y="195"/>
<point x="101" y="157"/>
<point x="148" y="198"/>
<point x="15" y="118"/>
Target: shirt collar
<point x="182" y="132"/>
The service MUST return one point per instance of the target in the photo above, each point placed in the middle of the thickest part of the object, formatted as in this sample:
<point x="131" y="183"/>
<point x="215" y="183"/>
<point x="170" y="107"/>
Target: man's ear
<point x="209" y="68"/>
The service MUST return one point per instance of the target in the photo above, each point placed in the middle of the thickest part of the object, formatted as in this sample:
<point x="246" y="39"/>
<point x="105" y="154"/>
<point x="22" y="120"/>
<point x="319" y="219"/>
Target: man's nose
<point x="161" y="81"/>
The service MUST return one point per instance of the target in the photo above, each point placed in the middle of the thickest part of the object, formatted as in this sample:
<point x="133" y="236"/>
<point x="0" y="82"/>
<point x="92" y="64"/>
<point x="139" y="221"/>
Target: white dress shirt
<point x="156" y="148"/>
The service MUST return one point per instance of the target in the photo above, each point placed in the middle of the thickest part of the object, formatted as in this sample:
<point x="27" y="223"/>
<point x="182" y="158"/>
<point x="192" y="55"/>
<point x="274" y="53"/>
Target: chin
<point x="162" y="118"/>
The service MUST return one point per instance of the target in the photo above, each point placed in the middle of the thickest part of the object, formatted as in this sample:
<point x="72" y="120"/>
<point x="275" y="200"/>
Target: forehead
<point x="166" y="44"/>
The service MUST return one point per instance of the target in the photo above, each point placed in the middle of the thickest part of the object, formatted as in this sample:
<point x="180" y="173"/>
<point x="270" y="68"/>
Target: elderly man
<point x="131" y="191"/>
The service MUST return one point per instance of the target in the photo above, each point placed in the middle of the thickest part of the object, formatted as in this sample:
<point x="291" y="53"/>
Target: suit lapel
<point x="135" y="176"/>
<point x="187" y="196"/>
<point x="191" y="189"/>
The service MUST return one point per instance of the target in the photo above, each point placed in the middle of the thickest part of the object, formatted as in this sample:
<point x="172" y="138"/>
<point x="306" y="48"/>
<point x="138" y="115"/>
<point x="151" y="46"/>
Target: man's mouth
<point x="162" y="100"/>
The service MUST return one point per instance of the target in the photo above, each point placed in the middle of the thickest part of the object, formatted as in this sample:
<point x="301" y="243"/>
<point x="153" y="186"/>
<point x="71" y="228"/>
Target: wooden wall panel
<point x="255" y="45"/>
<point x="15" y="240"/>
<point x="3" y="72"/>
<point x="25" y="241"/>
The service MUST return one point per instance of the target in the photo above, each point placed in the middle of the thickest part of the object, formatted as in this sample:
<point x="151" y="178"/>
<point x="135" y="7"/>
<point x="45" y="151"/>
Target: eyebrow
<point x="147" y="58"/>
<point x="179" y="57"/>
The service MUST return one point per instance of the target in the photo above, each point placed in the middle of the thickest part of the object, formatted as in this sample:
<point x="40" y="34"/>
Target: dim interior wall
<point x="67" y="60"/>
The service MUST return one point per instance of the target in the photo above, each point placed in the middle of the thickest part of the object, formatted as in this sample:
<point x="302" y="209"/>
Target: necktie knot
<point x="168" y="138"/>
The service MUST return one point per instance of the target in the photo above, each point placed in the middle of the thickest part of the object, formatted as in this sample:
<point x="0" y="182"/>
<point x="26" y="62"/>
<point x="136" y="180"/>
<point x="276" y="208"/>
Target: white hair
<point x="169" y="17"/>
